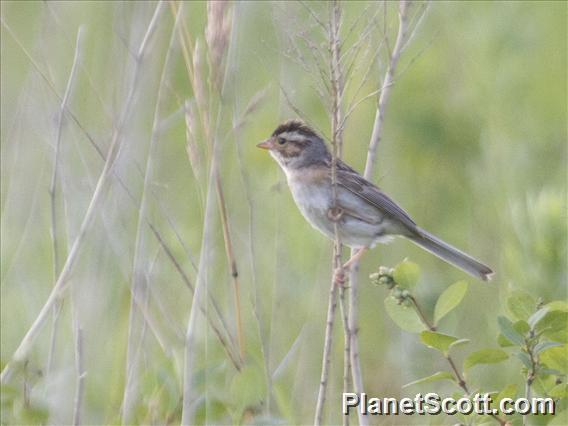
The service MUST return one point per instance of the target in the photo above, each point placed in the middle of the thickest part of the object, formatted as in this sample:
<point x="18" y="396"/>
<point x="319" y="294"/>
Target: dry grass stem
<point x="53" y="196"/>
<point x="80" y="373"/>
<point x="386" y="88"/>
<point x="60" y="286"/>
<point x="336" y="96"/>
<point x="140" y="283"/>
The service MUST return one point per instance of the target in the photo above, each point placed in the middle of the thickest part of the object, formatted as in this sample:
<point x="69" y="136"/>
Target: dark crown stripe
<point x="295" y="126"/>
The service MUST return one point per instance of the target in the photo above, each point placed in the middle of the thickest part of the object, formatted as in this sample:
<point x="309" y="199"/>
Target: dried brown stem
<point x="232" y="263"/>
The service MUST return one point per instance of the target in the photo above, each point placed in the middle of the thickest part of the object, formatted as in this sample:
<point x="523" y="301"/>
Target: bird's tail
<point x="451" y="255"/>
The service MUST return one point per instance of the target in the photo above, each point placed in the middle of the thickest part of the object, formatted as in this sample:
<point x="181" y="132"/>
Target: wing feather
<point x="361" y="187"/>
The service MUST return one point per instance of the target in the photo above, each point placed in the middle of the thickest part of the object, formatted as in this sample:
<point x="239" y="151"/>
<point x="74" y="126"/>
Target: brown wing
<point x="358" y="185"/>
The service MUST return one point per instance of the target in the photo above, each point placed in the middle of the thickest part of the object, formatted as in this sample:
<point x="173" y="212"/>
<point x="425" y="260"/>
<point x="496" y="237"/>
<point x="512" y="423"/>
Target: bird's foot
<point x="335" y="214"/>
<point x="339" y="276"/>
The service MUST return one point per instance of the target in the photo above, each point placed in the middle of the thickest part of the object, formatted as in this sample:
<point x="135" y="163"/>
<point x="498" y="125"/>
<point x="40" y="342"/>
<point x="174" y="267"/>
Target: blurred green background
<point x="474" y="148"/>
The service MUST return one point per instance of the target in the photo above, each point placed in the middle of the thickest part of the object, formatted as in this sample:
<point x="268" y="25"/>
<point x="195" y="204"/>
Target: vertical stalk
<point x="60" y="286"/>
<point x="53" y="197"/>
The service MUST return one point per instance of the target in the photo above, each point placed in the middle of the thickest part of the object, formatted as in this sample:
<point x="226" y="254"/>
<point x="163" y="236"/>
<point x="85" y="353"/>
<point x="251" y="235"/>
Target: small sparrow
<point x="364" y="214"/>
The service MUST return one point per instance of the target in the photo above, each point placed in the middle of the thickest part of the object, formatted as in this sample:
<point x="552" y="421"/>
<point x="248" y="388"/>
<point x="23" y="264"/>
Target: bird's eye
<point x="281" y="141"/>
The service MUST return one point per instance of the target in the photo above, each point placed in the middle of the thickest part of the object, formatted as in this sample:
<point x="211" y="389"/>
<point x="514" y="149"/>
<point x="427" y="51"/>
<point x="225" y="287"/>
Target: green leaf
<point x="521" y="305"/>
<point x="543" y="346"/>
<point x="558" y="305"/>
<point x="504" y="342"/>
<point x="509" y="331"/>
<point x="556" y="358"/>
<point x="554" y="326"/>
<point x="520" y="326"/>
<point x="535" y="318"/>
<point x="559" y="391"/>
<point x="406" y="274"/>
<point x="524" y="358"/>
<point x="403" y="316"/>
<point x="485" y="356"/>
<point x="509" y="391"/>
<point x="248" y="387"/>
<point x="439" y="341"/>
<point x="449" y="300"/>
<point x="436" y="377"/>
<point x="560" y="419"/>
<point x="459" y="342"/>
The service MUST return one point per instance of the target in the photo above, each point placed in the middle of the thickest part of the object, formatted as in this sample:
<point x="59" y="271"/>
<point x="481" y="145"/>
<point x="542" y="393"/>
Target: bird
<point x="364" y="215"/>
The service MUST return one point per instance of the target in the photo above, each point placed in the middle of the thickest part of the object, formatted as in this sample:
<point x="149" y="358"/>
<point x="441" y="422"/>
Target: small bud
<point x="375" y="278"/>
<point x="383" y="277"/>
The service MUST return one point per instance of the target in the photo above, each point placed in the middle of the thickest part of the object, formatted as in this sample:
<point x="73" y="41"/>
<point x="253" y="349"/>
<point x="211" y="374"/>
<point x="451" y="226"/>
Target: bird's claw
<point x="339" y="277"/>
<point x="335" y="214"/>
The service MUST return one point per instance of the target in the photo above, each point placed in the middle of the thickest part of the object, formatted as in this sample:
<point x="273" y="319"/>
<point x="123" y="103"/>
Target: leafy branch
<point x="405" y="310"/>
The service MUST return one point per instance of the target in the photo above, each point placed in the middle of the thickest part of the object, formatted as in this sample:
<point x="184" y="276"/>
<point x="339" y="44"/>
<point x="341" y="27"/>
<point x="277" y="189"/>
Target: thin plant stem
<point x="80" y="372"/>
<point x="460" y="380"/>
<point x="53" y="196"/>
<point x="344" y="307"/>
<point x="531" y="373"/>
<point x="60" y="286"/>
<point x="217" y="69"/>
<point x="386" y="88"/>
<point x="232" y="262"/>
<point x="335" y="213"/>
<point x="420" y="313"/>
<point x="356" y="370"/>
<point x="139" y="283"/>
<point x="188" y="409"/>
<point x="326" y="358"/>
<point x="369" y="167"/>
<point x="220" y="335"/>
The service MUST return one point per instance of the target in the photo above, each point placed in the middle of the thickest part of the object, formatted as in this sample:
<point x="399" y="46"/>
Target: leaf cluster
<point x="535" y="332"/>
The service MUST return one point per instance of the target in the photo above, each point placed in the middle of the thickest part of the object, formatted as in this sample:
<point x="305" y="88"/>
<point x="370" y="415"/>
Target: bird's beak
<point x="267" y="144"/>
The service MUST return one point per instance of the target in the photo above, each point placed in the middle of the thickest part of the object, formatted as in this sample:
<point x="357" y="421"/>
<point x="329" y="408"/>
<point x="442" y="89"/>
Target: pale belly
<point x="314" y="204"/>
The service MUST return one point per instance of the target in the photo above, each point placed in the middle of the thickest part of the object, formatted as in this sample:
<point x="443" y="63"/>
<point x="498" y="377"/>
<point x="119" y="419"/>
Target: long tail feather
<point x="451" y="255"/>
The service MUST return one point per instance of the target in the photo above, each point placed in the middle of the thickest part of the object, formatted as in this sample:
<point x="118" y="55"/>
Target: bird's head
<point x="294" y="145"/>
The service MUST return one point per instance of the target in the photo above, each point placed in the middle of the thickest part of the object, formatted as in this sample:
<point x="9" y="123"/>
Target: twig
<point x="370" y="164"/>
<point x="386" y="89"/>
<point x="53" y="193"/>
<point x="61" y="284"/>
<point x="457" y="375"/>
<point x="80" y="371"/>
<point x="344" y="307"/>
<point x="326" y="358"/>
<point x="531" y="373"/>
<point x="420" y="313"/>
<point x="336" y="84"/>
<point x="354" y="331"/>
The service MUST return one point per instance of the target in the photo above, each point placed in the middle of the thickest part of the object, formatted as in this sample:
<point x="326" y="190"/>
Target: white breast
<point x="313" y="200"/>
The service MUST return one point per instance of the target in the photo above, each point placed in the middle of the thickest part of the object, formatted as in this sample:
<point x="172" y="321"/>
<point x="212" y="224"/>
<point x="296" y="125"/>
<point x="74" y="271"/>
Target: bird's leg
<point x="339" y="276"/>
<point x="339" y="273"/>
<point x="355" y="258"/>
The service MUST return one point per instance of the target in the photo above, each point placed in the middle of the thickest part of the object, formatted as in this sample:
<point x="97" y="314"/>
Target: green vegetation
<point x="474" y="147"/>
